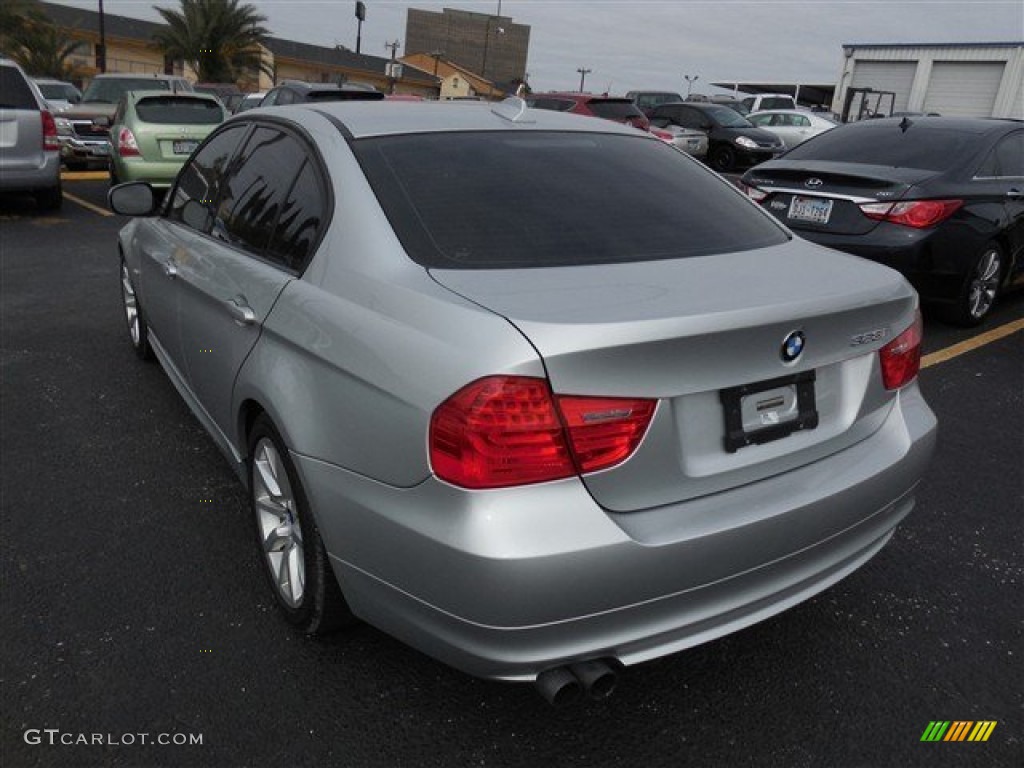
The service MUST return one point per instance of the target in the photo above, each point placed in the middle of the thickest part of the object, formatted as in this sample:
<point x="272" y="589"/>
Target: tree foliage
<point x="219" y="39"/>
<point x="29" y="37"/>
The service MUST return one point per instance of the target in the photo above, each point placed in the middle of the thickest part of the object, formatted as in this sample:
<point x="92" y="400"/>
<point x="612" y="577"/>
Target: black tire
<point x="723" y="158"/>
<point x="316" y="605"/>
<point x="138" y="331"/>
<point x="114" y="180"/>
<point x="980" y="289"/>
<point x="50" y="199"/>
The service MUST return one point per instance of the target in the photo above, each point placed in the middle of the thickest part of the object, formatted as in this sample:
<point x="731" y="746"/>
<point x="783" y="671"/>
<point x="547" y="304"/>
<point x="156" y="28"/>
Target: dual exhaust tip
<point x="562" y="685"/>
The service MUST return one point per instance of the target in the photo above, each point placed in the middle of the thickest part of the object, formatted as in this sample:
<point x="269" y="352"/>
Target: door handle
<point x="242" y="313"/>
<point x="1015" y="194"/>
<point x="170" y="268"/>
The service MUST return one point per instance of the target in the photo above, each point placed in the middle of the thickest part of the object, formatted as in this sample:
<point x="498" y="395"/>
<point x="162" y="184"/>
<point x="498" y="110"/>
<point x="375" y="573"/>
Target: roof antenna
<point x="905" y="123"/>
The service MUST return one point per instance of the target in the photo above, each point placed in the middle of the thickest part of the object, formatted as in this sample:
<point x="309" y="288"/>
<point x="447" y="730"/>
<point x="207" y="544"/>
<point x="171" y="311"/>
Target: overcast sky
<point x="652" y="44"/>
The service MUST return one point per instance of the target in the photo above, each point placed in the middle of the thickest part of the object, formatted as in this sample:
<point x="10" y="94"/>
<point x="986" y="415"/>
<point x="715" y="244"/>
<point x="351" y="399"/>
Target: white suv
<point x="29" y="149"/>
<point x="769" y="101"/>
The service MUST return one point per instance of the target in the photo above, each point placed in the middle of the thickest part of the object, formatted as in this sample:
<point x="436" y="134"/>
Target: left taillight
<point x="912" y="213"/>
<point x="503" y="431"/>
<point x="50" y="141"/>
<point x="126" y="144"/>
<point x="901" y="358"/>
<point x="755" y="194"/>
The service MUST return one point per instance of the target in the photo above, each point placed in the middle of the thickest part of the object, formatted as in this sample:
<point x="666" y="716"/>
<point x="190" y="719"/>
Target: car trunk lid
<point x="825" y="196"/>
<point x="693" y="333"/>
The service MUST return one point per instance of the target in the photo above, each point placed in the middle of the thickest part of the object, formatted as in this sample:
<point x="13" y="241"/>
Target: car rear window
<point x="614" y="109"/>
<point x="345" y="96"/>
<point x="928" y="147"/>
<point x="545" y="199"/>
<point x="110" y="91"/>
<point x="14" y="91"/>
<point x="176" y="110"/>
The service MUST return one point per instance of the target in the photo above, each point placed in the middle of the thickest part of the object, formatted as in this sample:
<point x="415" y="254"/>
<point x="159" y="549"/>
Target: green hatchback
<point x="154" y="132"/>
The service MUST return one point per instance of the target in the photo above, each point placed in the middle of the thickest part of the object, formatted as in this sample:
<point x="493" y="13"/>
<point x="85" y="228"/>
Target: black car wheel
<point x="723" y="158"/>
<point x="980" y="288"/>
<point x="295" y="561"/>
<point x="50" y="199"/>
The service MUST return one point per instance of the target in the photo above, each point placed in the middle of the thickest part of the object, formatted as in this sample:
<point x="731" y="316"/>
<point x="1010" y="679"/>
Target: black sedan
<point x="732" y="140"/>
<point x="940" y="199"/>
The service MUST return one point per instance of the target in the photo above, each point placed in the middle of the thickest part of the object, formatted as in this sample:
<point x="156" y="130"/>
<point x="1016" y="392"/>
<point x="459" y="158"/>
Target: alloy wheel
<point x="278" y="523"/>
<point x="131" y="306"/>
<point x="984" y="284"/>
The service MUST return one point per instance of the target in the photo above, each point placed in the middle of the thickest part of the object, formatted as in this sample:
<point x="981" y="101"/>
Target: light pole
<point x="583" y="76"/>
<point x="101" y="53"/>
<point x="361" y="16"/>
<point x="689" y="83"/>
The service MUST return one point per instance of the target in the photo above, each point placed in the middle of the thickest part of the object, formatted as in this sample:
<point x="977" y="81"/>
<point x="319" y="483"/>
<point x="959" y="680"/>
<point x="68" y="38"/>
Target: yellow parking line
<point x="84" y="175"/>
<point x="87" y="204"/>
<point x="973" y="343"/>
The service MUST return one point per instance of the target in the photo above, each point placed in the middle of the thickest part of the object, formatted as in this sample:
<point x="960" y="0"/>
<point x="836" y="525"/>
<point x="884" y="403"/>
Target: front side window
<point x="195" y="195"/>
<point x="547" y="199"/>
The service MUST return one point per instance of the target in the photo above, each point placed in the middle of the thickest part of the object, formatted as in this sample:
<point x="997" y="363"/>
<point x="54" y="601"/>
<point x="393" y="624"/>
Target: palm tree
<point x="219" y="39"/>
<point x="34" y="41"/>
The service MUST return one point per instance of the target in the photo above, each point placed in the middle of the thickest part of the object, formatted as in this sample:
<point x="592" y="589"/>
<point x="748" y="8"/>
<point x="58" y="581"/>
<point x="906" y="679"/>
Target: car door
<point x="234" y="276"/>
<point x="1009" y="163"/>
<point x="168" y="246"/>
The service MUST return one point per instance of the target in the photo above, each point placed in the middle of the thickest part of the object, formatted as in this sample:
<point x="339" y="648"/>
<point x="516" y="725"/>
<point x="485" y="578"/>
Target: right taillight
<point x="901" y="358"/>
<point x="503" y="431"/>
<point x="918" y="214"/>
<point x="755" y="194"/>
<point x="126" y="144"/>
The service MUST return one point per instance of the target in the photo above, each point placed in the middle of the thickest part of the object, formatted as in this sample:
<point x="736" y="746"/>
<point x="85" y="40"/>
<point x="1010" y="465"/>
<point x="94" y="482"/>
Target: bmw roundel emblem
<point x="793" y="346"/>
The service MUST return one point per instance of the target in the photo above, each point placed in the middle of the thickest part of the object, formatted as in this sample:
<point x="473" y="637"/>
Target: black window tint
<point x="179" y="110"/>
<point x="504" y="200"/>
<point x="300" y="220"/>
<point x="614" y="109"/>
<point x="259" y="181"/>
<point x="1010" y="155"/>
<point x="285" y="96"/>
<point x="14" y="90"/>
<point x="924" y="145"/>
<point x="196" y="192"/>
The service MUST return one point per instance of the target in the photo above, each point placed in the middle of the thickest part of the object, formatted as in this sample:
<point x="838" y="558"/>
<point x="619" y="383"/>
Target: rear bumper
<point x="45" y="175"/>
<point x="91" y="151"/>
<point x="506" y="584"/>
<point x="158" y="174"/>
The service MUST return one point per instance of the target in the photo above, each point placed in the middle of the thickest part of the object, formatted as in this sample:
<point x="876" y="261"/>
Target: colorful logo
<point x="958" y="730"/>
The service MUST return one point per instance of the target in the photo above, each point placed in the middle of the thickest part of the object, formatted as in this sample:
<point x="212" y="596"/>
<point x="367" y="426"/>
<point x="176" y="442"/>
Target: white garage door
<point x="963" y="88"/>
<point x="895" y="76"/>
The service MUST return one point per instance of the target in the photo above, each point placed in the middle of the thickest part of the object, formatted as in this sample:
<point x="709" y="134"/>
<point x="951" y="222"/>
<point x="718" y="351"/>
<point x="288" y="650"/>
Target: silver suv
<point x="29" y="150"/>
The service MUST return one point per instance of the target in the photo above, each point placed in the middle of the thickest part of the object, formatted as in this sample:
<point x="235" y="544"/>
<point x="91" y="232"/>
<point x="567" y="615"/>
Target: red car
<point x="617" y="108"/>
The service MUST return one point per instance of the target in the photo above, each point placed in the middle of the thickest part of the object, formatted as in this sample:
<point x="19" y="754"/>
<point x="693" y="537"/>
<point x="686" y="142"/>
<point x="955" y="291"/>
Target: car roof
<point x="978" y="125"/>
<point x="362" y="119"/>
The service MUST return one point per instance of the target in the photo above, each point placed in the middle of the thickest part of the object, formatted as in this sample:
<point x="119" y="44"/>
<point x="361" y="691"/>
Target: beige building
<point x="130" y="49"/>
<point x="456" y="82"/>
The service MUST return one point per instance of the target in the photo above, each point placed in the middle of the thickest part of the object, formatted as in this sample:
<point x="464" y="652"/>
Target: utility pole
<point x="361" y="15"/>
<point x="101" y="52"/>
<point x="583" y="76"/>
<point x="393" y="66"/>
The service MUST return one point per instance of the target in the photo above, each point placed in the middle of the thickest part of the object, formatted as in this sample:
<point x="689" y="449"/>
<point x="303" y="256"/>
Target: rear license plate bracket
<point x="736" y="436"/>
<point x="184" y="147"/>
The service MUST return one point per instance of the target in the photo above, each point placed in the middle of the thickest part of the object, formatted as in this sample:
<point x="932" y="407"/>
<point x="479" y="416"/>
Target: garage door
<point x="895" y="76"/>
<point x="963" y="88"/>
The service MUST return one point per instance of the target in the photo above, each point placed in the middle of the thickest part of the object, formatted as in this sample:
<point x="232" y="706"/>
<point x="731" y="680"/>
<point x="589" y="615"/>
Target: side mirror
<point x="134" y="198"/>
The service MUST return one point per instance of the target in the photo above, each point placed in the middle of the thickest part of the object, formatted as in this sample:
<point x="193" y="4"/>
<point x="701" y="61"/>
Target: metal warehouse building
<point x="953" y="79"/>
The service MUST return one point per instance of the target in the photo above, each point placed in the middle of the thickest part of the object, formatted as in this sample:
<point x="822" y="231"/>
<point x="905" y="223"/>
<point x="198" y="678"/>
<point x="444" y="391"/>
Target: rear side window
<point x="872" y="142"/>
<point x="544" y="199"/>
<point x="777" y="102"/>
<point x="177" y="110"/>
<point x="14" y="90"/>
<point x="300" y="222"/>
<point x="614" y="110"/>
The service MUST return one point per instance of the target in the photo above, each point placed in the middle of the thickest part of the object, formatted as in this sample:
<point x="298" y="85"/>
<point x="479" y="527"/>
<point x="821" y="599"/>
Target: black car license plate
<point x="184" y="146"/>
<point x="768" y="410"/>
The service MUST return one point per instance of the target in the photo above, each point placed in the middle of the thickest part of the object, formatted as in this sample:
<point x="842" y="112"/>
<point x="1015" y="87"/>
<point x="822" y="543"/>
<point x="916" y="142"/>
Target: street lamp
<point x="689" y="83"/>
<point x="583" y="76"/>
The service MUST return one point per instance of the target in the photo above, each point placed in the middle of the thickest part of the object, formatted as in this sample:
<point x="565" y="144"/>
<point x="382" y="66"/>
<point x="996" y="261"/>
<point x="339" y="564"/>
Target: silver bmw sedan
<point x="537" y="394"/>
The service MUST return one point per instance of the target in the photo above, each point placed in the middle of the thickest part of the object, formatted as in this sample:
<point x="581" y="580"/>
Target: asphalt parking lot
<point x="132" y="603"/>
